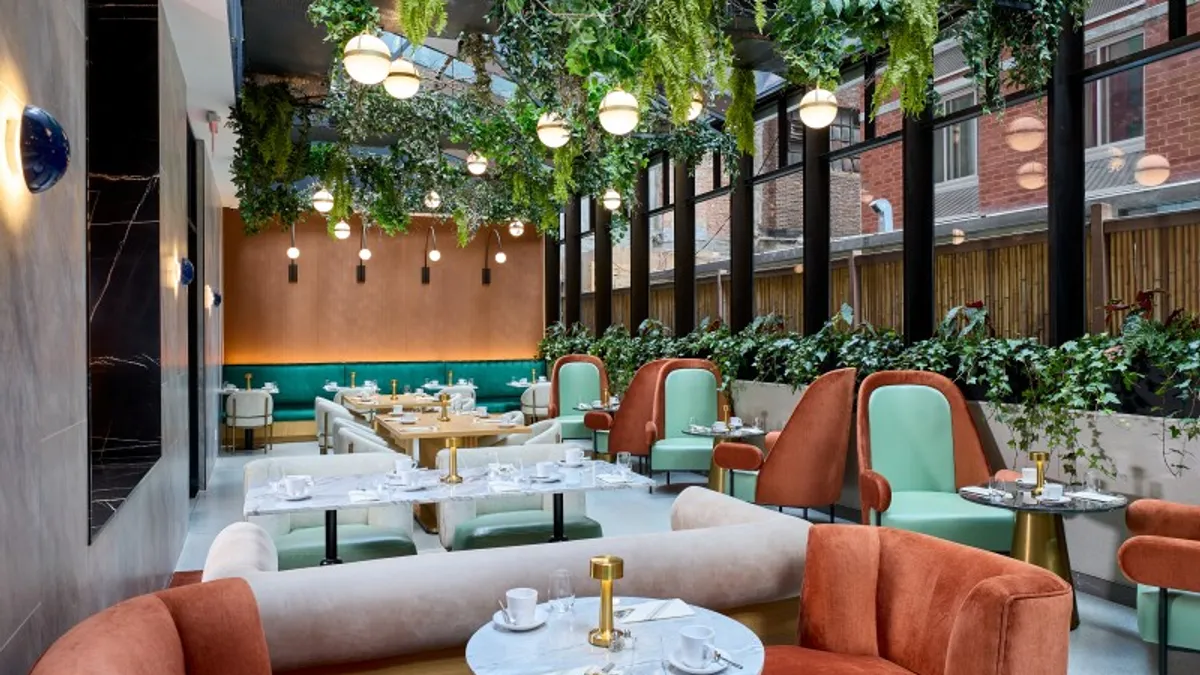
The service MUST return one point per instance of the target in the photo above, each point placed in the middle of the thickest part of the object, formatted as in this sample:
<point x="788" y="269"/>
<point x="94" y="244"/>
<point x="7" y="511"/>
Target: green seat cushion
<point x="518" y="528"/>
<point x="948" y="516"/>
<point x="305" y="546"/>
<point x="912" y="440"/>
<point x="500" y="405"/>
<point x="492" y="377"/>
<point x="744" y="484"/>
<point x="573" y="427"/>
<point x="1183" y="620"/>
<point x="299" y="384"/>
<point x="294" y="413"/>
<point x="411" y="374"/>
<point x="578" y="382"/>
<point x="689" y="395"/>
<point x="682" y="454"/>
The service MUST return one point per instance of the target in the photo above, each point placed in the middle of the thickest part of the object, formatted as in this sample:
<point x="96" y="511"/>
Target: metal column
<point x="816" y="229"/>
<point x="639" y="254"/>
<point x="1065" y="253"/>
<point x="741" y="246"/>
<point x="601" y="223"/>
<point x="573" y="262"/>
<point x="685" y="249"/>
<point x="918" y="225"/>
<point x="552" y="280"/>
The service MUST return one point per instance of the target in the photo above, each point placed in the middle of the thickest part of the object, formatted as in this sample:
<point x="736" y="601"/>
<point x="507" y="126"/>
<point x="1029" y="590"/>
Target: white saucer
<point x="540" y="615"/>
<point x="406" y="488"/>
<point x="715" y="667"/>
<point x="576" y="465"/>
<point x="546" y="479"/>
<point x="1054" y="502"/>
<point x="299" y="498"/>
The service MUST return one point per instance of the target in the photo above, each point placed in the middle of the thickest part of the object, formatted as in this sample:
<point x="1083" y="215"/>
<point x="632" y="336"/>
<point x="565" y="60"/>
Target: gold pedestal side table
<point x="717" y="479"/>
<point x="1039" y="537"/>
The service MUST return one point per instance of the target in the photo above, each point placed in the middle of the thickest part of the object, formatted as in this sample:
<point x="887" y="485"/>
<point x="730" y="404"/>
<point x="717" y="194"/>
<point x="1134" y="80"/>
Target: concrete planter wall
<point x="1133" y="442"/>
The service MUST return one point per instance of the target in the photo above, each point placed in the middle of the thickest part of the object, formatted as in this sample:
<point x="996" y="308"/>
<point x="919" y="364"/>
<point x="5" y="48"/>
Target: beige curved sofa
<point x="722" y="553"/>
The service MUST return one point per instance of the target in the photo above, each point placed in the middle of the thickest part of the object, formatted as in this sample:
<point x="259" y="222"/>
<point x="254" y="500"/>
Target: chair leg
<point x="780" y="509"/>
<point x="1163" y="617"/>
<point x="806" y="513"/>
<point x="831" y="512"/>
<point x="668" y="478"/>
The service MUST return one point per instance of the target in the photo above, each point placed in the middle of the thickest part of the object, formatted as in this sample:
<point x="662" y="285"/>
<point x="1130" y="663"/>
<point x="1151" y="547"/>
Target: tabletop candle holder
<point x="393" y="390"/>
<point x="725" y="411"/>
<point x="449" y="377"/>
<point x="444" y="402"/>
<point x="249" y="378"/>
<point x="352" y="374"/>
<point x="452" y="476"/>
<point x="606" y="569"/>
<point x="604" y="396"/>
<point x="533" y="374"/>
<point x="1040" y="459"/>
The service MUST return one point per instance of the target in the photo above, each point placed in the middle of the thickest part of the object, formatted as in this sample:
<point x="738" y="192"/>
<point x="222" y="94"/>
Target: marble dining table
<point x="335" y="493"/>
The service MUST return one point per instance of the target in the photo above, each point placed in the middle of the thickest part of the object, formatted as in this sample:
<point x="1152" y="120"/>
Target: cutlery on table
<point x="507" y="617"/>
<point x="725" y="659"/>
<point x="658" y="609"/>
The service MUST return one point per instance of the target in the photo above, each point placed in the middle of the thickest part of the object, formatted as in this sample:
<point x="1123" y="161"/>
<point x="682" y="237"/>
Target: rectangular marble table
<point x="332" y="494"/>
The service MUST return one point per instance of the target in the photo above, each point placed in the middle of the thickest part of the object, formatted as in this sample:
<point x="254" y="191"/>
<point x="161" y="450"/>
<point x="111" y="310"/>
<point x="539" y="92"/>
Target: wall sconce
<point x="292" y="254"/>
<point x="431" y="254"/>
<point x="37" y="147"/>
<point x="187" y="272"/>
<point x="501" y="256"/>
<point x="364" y="254"/>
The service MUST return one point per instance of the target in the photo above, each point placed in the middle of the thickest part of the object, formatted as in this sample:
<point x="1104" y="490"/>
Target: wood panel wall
<point x="1008" y="273"/>
<point x="328" y="317"/>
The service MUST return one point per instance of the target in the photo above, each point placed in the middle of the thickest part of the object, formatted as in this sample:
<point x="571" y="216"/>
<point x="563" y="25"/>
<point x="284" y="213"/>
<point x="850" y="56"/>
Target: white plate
<point x="540" y="614"/>
<point x="715" y="667"/>
<point x="546" y="479"/>
<point x="1054" y="502"/>
<point x="407" y="488"/>
<point x="294" y="498"/>
<point x="574" y="465"/>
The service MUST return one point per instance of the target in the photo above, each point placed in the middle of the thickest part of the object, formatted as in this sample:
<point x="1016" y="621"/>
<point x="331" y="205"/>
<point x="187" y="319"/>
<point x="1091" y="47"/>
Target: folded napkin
<point x="408" y="429"/>
<point x="504" y="486"/>
<point x="975" y="490"/>
<point x="361" y="496"/>
<point x="612" y="478"/>
<point x="1095" y="496"/>
<point x="654" y="610"/>
<point x="514" y="417"/>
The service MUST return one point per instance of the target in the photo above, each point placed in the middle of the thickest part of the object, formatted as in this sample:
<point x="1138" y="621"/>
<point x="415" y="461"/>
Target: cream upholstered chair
<point x="540" y="433"/>
<point x="363" y="534"/>
<point x="535" y="401"/>
<point x="253" y="409"/>
<point x="343" y="392"/>
<point x="350" y="439"/>
<point x="355" y="426"/>
<point x="461" y="397"/>
<point x="509" y="520"/>
<point x="326" y="412"/>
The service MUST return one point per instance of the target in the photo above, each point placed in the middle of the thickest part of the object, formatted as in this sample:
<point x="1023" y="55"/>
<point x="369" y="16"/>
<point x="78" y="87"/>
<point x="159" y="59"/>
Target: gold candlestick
<point x="725" y="409"/>
<point x="449" y="377"/>
<point x="444" y="402"/>
<point x="352" y="373"/>
<point x="604" y="396"/>
<point x="452" y="476"/>
<point x="393" y="390"/>
<point x="533" y="374"/>
<point x="606" y="569"/>
<point x="249" y="377"/>
<point x="1040" y="459"/>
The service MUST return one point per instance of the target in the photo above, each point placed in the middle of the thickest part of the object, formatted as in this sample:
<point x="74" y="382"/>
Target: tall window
<point x="1113" y="106"/>
<point x="954" y="145"/>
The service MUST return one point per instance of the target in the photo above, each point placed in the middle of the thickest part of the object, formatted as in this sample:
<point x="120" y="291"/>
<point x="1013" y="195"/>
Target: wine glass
<point x="561" y="592"/>
<point x="624" y="463"/>
<point x="274" y="476"/>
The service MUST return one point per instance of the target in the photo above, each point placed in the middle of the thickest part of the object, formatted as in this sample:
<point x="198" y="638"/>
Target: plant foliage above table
<point x="564" y="56"/>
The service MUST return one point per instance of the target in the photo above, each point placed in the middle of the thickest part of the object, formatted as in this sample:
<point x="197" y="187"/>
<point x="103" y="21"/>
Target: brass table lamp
<point x="1040" y="458"/>
<point x="606" y="569"/>
<point x="452" y="476"/>
<point x="444" y="402"/>
<point x="352" y="374"/>
<point x="249" y="377"/>
<point x="393" y="390"/>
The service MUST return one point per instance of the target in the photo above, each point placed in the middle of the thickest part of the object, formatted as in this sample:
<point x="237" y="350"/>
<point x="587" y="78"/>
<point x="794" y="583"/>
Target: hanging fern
<point x="739" y="118"/>
<point x="910" y="37"/>
<point x="564" y="170"/>
<point x="266" y="160"/>
<point x="421" y="18"/>
<point x="343" y="19"/>
<point x="686" y="50"/>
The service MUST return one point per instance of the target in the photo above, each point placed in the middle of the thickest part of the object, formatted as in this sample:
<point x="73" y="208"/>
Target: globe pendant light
<point x="1152" y="170"/>
<point x="501" y="257"/>
<point x="293" y="253"/>
<point x="516" y="228"/>
<point x="367" y="59"/>
<point x="1025" y="134"/>
<point x="364" y="254"/>
<point x="1032" y="176"/>
<point x="476" y="164"/>
<point x="1116" y="158"/>
<point x="435" y="255"/>
<point x="697" y="105"/>
<point x="342" y="230"/>
<point x="402" y="80"/>
<point x="322" y="201"/>
<point x="611" y="199"/>
<point x="619" y="112"/>
<point x="818" y="108"/>
<point x="552" y="130"/>
<point x="433" y="200"/>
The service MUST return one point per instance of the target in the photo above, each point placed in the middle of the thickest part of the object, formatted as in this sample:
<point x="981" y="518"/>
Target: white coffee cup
<point x="597" y="404"/>
<point x="574" y="455"/>
<point x="720" y="426"/>
<point x="544" y="469"/>
<point x="1053" y="491"/>
<point x="403" y="463"/>
<point x="522" y="605"/>
<point x="407" y="477"/>
<point x="735" y="422"/>
<point x="481" y="411"/>
<point x="420" y="391"/>
<point x="397" y="409"/>
<point x="695" y="646"/>
<point x="1029" y="474"/>
<point x="295" y="486"/>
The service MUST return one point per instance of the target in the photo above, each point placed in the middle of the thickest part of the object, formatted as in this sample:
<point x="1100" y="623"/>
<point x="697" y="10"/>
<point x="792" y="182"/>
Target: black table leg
<point x="331" y="552"/>
<point x="248" y="436"/>
<point x="558" y="535"/>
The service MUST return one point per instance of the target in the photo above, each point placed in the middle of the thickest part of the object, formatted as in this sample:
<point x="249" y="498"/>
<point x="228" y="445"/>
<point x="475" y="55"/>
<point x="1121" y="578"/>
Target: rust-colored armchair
<point x="806" y="462"/>
<point x="889" y="602"/>
<point x="631" y="429"/>
<point x="1163" y="557"/>
<point x="203" y="629"/>
<point x="575" y="379"/>
<point x="917" y="446"/>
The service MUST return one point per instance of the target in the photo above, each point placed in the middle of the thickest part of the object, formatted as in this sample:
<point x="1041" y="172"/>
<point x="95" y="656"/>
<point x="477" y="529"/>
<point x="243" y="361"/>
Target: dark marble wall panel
<point x="50" y="577"/>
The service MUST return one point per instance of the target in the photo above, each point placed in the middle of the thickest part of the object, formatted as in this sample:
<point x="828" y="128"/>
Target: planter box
<point x="1133" y="442"/>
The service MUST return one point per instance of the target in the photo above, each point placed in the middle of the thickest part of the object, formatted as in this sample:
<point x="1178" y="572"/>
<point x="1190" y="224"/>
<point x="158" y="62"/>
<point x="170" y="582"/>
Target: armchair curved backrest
<point x="914" y="428"/>
<point x="202" y="629"/>
<point x="253" y="408"/>
<point x="867" y="592"/>
<point x="686" y="388"/>
<point x="628" y="432"/>
<point x="575" y="379"/>
<point x="807" y="463"/>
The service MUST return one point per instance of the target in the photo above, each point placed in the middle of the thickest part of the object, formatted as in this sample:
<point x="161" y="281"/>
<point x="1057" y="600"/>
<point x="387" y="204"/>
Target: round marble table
<point x="561" y="647"/>
<point x="716" y="475"/>
<point x="1039" y="536"/>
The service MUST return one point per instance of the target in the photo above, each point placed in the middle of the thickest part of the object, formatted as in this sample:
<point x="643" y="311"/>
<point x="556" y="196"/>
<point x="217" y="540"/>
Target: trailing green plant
<point x="343" y="19"/>
<point x="421" y="18"/>
<point x="739" y="117"/>
<point x="266" y="158"/>
<point x="687" y="48"/>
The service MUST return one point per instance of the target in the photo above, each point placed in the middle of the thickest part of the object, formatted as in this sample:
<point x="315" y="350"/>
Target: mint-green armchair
<point x="688" y="390"/>
<point x="575" y="379"/>
<point x="917" y="446"/>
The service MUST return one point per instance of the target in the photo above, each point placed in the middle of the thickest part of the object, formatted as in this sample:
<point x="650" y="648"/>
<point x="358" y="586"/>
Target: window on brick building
<point x="1113" y="106"/>
<point x="954" y="145"/>
<point x="844" y="132"/>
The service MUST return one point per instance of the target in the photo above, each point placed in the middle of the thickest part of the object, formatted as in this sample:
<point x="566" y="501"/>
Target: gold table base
<point x="1040" y="539"/>
<point x="717" y="478"/>
<point x="427" y="513"/>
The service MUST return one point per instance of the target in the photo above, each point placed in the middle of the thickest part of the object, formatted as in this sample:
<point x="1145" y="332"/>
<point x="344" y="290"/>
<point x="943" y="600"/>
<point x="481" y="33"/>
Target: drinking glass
<point x="996" y="489"/>
<point x="274" y="476"/>
<point x="561" y="592"/>
<point x="666" y="643"/>
<point x="407" y="389"/>
<point x="760" y="423"/>
<point x="624" y="463"/>
<point x="1092" y="480"/>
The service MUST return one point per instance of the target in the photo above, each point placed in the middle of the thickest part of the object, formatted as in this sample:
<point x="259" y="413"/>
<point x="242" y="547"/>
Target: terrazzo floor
<point x="1105" y="643"/>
